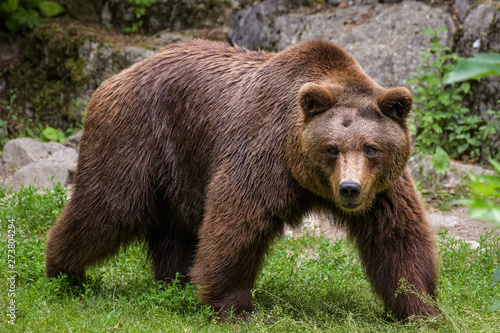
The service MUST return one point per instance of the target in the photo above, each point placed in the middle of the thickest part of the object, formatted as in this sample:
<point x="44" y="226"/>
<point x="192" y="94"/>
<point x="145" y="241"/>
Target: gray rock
<point x="164" y="38"/>
<point x="252" y="27"/>
<point x="361" y="2"/>
<point x="67" y="155"/>
<point x="74" y="141"/>
<point x="23" y="151"/>
<point x="133" y="54"/>
<point x="422" y="169"/>
<point x="443" y="221"/>
<point x="25" y="159"/>
<point x="463" y="6"/>
<point x="480" y="33"/>
<point x="388" y="49"/>
<point x="102" y="61"/>
<point x="43" y="173"/>
<point x="481" y="30"/>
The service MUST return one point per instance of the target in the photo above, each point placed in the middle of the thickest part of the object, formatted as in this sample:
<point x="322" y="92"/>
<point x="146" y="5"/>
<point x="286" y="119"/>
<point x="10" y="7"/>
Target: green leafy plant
<point x="16" y="13"/>
<point x="485" y="203"/>
<point x="476" y="68"/>
<point x="80" y="106"/>
<point x="139" y="8"/>
<point x="51" y="134"/>
<point x="441" y="161"/>
<point x="440" y="119"/>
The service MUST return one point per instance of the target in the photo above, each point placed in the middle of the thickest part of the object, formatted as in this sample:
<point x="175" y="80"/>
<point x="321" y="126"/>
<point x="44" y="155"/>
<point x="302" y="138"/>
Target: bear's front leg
<point x="395" y="242"/>
<point x="232" y="244"/>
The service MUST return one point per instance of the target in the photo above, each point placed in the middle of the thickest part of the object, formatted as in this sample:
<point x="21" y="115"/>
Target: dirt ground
<point x="467" y="229"/>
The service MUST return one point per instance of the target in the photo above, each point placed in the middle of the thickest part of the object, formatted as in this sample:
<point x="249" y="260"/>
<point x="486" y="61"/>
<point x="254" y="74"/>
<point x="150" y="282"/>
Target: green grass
<point x="306" y="285"/>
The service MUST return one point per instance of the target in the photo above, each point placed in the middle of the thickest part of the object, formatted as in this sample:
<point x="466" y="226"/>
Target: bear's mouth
<point x="351" y="206"/>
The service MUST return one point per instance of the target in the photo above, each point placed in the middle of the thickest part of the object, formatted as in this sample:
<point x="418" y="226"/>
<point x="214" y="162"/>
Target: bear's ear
<point x="315" y="99"/>
<point x="395" y="103"/>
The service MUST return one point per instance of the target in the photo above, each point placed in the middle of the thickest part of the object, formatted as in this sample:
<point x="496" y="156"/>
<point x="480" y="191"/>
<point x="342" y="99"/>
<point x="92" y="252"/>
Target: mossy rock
<point x="64" y="62"/>
<point x="52" y="72"/>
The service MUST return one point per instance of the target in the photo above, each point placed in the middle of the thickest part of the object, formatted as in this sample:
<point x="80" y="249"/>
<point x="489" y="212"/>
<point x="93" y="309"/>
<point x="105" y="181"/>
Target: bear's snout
<point x="349" y="190"/>
<point x="350" y="196"/>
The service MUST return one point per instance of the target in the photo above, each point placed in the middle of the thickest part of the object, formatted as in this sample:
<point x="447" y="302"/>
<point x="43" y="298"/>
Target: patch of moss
<point x="52" y="73"/>
<point x="76" y="70"/>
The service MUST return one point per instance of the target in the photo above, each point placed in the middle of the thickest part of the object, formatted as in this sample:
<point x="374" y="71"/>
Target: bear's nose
<point x="349" y="190"/>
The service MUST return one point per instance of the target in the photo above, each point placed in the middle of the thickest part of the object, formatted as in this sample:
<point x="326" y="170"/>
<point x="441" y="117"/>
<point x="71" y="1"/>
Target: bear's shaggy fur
<point x="207" y="151"/>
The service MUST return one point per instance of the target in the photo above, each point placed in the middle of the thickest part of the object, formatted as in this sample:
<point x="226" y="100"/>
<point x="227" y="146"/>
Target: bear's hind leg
<point x="172" y="252"/>
<point x="80" y="240"/>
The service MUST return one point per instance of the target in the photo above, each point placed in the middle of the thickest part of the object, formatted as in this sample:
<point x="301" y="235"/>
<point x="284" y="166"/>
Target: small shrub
<point x="440" y="119"/>
<point x="475" y="68"/>
<point x="51" y="134"/>
<point x="139" y="8"/>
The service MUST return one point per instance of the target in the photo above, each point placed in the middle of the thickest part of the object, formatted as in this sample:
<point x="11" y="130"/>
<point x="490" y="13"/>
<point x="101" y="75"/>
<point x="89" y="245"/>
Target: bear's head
<point x="354" y="139"/>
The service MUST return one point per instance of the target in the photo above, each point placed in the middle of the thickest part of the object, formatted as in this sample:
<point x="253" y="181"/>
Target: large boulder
<point x="23" y="151"/>
<point x="74" y="141"/>
<point x="462" y="6"/>
<point x="27" y="161"/>
<point x="361" y="2"/>
<point x="422" y="170"/>
<point x="63" y="65"/>
<point x="165" y="37"/>
<point x="388" y="49"/>
<point x="480" y="33"/>
<point x="253" y="27"/>
<point x="44" y="173"/>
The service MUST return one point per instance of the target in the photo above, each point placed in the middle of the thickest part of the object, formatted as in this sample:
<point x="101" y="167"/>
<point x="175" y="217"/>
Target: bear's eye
<point x="332" y="151"/>
<point x="370" y="151"/>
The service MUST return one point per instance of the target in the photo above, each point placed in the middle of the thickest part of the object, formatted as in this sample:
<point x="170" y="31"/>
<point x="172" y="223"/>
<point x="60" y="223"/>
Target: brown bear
<point x="208" y="151"/>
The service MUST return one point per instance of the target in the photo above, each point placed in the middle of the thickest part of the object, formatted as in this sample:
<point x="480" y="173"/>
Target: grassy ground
<point x="306" y="285"/>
